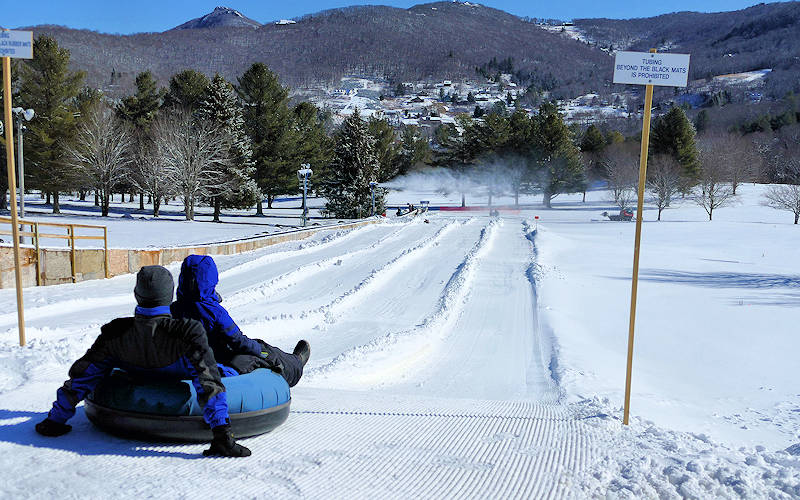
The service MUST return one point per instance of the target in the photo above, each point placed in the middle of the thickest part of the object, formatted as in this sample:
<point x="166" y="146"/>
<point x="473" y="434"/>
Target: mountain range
<point x="435" y="41"/>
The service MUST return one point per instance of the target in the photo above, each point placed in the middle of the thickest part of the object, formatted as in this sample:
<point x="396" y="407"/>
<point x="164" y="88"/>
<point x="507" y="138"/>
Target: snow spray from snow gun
<point x="641" y="68"/>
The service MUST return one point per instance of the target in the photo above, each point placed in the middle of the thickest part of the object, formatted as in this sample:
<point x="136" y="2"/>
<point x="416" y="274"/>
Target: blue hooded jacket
<point x="197" y="299"/>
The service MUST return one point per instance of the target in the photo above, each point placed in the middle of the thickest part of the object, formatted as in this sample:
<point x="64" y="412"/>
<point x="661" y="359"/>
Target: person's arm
<point x="238" y="342"/>
<point x="84" y="375"/>
<point x="210" y="391"/>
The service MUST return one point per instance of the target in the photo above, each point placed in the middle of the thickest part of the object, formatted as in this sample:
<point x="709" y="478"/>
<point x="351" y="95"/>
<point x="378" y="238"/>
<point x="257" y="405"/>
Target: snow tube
<point x="168" y="410"/>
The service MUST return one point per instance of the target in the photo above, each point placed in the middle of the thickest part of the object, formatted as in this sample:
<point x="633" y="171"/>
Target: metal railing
<point x="70" y="236"/>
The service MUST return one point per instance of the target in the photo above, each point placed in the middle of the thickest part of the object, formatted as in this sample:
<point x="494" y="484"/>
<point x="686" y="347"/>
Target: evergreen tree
<point x="674" y="135"/>
<point x="559" y="159"/>
<point x="49" y="88"/>
<point x="701" y="121"/>
<point x="221" y="107"/>
<point x="141" y="108"/>
<point x="354" y="166"/>
<point x="311" y="145"/>
<point x="470" y="97"/>
<point x="593" y="140"/>
<point x="400" y="89"/>
<point x="268" y="123"/>
<point x="414" y="149"/>
<point x="592" y="145"/>
<point x="186" y="90"/>
<point x="458" y="151"/>
<point x="385" y="149"/>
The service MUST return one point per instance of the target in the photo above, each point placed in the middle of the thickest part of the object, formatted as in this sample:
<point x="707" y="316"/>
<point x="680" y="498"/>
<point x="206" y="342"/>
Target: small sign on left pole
<point x="16" y="44"/>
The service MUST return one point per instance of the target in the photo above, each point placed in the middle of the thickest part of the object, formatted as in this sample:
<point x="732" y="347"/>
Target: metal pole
<point x="12" y="181"/>
<point x="373" y="200"/>
<point x="648" y="103"/>
<point x="21" y="162"/>
<point x="305" y="208"/>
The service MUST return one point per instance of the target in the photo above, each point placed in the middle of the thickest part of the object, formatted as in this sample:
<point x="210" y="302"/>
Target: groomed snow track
<point x="428" y="376"/>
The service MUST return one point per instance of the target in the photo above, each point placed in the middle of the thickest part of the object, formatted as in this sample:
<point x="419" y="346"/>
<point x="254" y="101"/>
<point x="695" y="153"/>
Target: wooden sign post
<point x="17" y="44"/>
<point x="649" y="69"/>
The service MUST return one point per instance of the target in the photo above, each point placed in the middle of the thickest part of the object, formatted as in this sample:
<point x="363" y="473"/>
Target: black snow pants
<point x="286" y="364"/>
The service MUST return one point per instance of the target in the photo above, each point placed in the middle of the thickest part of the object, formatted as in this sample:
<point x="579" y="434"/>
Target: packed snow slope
<point x="463" y="356"/>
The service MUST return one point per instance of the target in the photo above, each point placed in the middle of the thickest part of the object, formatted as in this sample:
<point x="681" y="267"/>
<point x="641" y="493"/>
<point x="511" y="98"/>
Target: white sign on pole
<point x="647" y="68"/>
<point x="16" y="44"/>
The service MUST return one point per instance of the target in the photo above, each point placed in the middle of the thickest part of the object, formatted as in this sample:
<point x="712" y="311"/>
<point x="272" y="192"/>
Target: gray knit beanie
<point x="154" y="286"/>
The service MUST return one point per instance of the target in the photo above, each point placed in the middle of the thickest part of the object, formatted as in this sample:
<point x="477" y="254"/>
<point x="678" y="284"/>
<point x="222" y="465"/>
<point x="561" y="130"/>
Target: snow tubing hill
<point x="168" y="410"/>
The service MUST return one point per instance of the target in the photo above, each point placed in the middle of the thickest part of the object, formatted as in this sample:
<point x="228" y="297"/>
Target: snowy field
<point x="129" y="227"/>
<point x="456" y="355"/>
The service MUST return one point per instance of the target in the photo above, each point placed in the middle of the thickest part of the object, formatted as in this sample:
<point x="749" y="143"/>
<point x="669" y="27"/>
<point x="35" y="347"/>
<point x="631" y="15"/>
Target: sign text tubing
<point x="647" y="68"/>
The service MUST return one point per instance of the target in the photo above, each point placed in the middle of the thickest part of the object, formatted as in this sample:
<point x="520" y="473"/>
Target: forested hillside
<point x="431" y="41"/>
<point x="762" y="36"/>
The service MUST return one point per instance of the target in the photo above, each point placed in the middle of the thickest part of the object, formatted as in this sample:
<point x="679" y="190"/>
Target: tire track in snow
<point x="327" y="314"/>
<point x="449" y="307"/>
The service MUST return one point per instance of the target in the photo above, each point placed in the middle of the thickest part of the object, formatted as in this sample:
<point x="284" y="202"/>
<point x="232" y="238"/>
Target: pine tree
<point x="186" y="90"/>
<point x="140" y="109"/>
<point x="221" y="107"/>
<point x="592" y="145"/>
<point x="414" y="149"/>
<point x="674" y="135"/>
<point x="268" y="123"/>
<point x="559" y="159"/>
<point x="385" y="149"/>
<point x="354" y="166"/>
<point x="311" y="145"/>
<point x="49" y="88"/>
<point x="701" y="121"/>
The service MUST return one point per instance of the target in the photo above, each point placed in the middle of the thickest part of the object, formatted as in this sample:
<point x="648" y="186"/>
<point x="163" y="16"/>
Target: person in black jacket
<point x="197" y="298"/>
<point x="150" y="343"/>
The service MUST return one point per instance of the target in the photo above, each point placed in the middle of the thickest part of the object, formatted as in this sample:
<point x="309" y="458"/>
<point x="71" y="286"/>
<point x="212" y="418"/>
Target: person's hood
<point x="198" y="279"/>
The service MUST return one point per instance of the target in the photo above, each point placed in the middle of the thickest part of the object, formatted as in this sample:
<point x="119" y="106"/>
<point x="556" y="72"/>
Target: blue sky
<point x="116" y="16"/>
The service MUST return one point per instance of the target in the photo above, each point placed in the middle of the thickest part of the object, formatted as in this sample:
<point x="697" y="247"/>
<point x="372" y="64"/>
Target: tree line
<point x="229" y="145"/>
<point x="513" y="153"/>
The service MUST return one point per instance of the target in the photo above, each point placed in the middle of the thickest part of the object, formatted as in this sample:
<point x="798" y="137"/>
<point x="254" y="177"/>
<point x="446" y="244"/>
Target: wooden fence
<point x="71" y="237"/>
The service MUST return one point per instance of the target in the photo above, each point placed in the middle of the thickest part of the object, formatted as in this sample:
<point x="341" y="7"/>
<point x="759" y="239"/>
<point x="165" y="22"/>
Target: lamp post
<point x="372" y="191"/>
<point x="28" y="115"/>
<point x="303" y="175"/>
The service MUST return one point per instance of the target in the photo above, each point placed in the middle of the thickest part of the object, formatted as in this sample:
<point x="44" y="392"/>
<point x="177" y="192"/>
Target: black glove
<point x="51" y="428"/>
<point x="224" y="445"/>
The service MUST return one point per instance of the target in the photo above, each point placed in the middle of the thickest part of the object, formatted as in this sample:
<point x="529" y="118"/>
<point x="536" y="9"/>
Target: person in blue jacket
<point x="198" y="299"/>
<point x="153" y="344"/>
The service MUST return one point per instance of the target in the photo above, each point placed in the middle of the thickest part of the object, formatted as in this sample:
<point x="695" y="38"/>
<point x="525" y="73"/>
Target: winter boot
<point x="302" y="350"/>
<point x="224" y="445"/>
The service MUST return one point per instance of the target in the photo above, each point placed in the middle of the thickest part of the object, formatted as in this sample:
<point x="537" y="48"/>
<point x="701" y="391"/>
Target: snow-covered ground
<point x="129" y="227"/>
<point x="458" y="355"/>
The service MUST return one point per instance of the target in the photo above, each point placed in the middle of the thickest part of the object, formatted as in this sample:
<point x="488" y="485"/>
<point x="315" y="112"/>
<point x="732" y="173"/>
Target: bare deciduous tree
<point x="737" y="155"/>
<point x="101" y="152"/>
<point x="150" y="173"/>
<point x="622" y="172"/>
<point x="784" y="197"/>
<point x="196" y="154"/>
<point x="713" y="190"/>
<point x="663" y="180"/>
